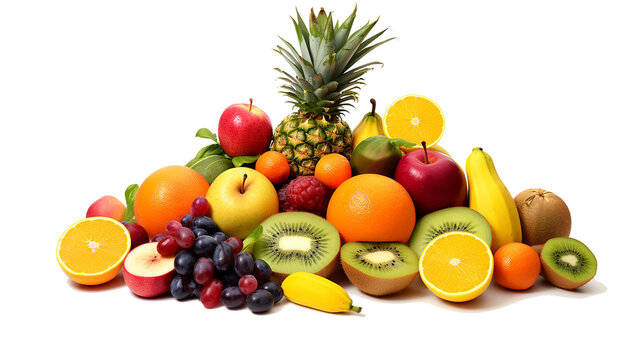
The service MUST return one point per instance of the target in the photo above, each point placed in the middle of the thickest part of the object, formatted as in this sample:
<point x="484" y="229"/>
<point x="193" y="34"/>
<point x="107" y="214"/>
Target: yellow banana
<point x="489" y="196"/>
<point x="317" y="292"/>
<point x="371" y="125"/>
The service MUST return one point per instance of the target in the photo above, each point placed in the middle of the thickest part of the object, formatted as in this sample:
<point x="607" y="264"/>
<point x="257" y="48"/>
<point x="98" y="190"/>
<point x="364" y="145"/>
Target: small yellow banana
<point x="489" y="196"/>
<point x="371" y="125"/>
<point x="317" y="292"/>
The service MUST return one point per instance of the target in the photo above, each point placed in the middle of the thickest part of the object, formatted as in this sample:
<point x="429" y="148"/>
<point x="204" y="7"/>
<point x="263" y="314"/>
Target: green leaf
<point x="207" y="134"/>
<point x="402" y="142"/>
<point x="242" y="160"/>
<point x="130" y="195"/>
<point x="212" y="166"/>
<point x="249" y="241"/>
<point x="206" y="151"/>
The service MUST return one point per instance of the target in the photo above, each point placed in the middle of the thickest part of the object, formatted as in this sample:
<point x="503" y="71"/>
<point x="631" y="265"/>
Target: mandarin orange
<point x="333" y="170"/>
<point x="516" y="266"/>
<point x="273" y="165"/>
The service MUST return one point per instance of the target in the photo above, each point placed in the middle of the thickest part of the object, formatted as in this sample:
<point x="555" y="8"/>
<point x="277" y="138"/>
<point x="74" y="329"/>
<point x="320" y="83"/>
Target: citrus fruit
<point x="165" y="195"/>
<point x="333" y="170"/>
<point x="372" y="207"/>
<point x="92" y="251"/>
<point x="414" y="118"/>
<point x="273" y="165"/>
<point x="456" y="266"/>
<point x="516" y="266"/>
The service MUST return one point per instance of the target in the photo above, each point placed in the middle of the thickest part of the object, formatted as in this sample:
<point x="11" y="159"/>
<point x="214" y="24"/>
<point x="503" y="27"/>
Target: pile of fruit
<point x="260" y="213"/>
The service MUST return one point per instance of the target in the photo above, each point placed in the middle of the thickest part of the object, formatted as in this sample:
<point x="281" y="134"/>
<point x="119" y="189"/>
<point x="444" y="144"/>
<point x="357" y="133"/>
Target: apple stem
<point x="426" y="153"/>
<point x="373" y="109"/>
<point x="243" y="184"/>
<point x="250" y="109"/>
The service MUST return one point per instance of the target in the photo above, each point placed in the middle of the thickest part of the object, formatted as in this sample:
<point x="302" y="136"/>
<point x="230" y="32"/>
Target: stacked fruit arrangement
<point x="382" y="204"/>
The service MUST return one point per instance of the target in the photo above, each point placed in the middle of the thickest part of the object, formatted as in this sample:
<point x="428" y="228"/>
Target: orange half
<point x="92" y="250"/>
<point x="414" y="118"/>
<point x="457" y="266"/>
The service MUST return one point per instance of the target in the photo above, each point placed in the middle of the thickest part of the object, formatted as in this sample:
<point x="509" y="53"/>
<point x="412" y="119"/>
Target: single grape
<point x="236" y="243"/>
<point x="220" y="237"/>
<point x="179" y="288"/>
<point x="232" y="297"/>
<point x="200" y="206"/>
<point x="186" y="220"/>
<point x="211" y="293"/>
<point x="184" y="262"/>
<point x="204" y="245"/>
<point x="199" y="232"/>
<point x="185" y="238"/>
<point x="248" y="284"/>
<point x="206" y="223"/>
<point x="168" y="246"/>
<point x="203" y="270"/>
<point x="274" y="288"/>
<point x="223" y="257"/>
<point x="262" y="270"/>
<point x="172" y="227"/>
<point x="244" y="263"/>
<point x="159" y="237"/>
<point x="260" y="301"/>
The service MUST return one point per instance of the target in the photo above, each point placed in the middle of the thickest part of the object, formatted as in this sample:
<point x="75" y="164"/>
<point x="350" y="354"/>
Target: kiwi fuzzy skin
<point x="543" y="215"/>
<point x="376" y="286"/>
<point x="325" y="272"/>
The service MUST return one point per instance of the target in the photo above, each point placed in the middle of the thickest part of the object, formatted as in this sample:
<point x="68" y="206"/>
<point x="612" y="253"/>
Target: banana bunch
<point x="371" y="125"/>
<point x="489" y="196"/>
<point x="317" y="292"/>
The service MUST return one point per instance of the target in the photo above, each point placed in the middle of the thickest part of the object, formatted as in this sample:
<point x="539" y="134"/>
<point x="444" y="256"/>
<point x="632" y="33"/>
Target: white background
<point x="94" y="96"/>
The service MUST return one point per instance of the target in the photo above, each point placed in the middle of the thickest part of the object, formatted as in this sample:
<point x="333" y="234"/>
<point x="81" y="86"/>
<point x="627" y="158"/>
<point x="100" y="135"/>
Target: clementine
<point x="372" y="207"/>
<point x="167" y="194"/>
<point x="333" y="170"/>
<point x="516" y="266"/>
<point x="273" y="165"/>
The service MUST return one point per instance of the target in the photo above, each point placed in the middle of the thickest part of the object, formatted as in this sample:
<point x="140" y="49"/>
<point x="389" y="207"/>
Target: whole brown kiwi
<point x="543" y="215"/>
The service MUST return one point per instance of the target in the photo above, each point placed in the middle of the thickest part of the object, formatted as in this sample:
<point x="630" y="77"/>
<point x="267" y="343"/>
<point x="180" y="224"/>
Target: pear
<point x="371" y="125"/>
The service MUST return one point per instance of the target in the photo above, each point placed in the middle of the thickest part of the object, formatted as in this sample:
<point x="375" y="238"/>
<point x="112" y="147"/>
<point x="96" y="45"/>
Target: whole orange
<point x="273" y="165"/>
<point x="372" y="207"/>
<point x="516" y="266"/>
<point x="165" y="195"/>
<point x="333" y="170"/>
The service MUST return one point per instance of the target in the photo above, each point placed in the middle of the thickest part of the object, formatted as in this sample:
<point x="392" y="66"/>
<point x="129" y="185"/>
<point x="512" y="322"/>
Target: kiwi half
<point x="379" y="268"/>
<point x="298" y="241"/>
<point x="567" y="263"/>
<point x="446" y="220"/>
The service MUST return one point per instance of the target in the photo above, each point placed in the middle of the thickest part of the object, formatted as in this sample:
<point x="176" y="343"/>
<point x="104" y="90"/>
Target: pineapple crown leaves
<point x="325" y="78"/>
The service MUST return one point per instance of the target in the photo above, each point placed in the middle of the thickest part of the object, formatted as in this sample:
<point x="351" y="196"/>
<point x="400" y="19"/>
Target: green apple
<point x="241" y="199"/>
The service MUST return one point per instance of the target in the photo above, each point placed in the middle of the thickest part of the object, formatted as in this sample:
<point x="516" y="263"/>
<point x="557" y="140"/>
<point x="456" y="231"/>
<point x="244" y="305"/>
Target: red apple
<point x="146" y="272"/>
<point x="107" y="206"/>
<point x="434" y="180"/>
<point x="244" y="129"/>
<point x="137" y="233"/>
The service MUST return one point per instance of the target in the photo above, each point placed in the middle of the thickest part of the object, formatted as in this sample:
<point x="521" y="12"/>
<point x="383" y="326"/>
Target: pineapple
<point x="325" y="81"/>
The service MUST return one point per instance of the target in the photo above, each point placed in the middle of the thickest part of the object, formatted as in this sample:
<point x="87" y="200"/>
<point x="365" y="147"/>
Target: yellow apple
<point x="241" y="199"/>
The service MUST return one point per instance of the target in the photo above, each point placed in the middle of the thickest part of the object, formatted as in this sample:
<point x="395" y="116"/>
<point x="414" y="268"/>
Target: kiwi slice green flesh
<point x="446" y="220"/>
<point x="567" y="263"/>
<point x="379" y="268"/>
<point x="298" y="241"/>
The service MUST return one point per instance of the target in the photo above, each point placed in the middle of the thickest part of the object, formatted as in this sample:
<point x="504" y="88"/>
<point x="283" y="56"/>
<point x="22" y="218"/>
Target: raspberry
<point x="306" y="193"/>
